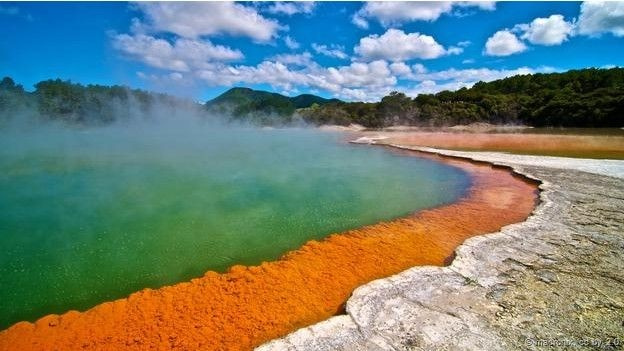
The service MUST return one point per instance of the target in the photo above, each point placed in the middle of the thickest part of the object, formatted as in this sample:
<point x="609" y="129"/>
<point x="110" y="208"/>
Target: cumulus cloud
<point x="503" y="43"/>
<point x="358" y="80"/>
<point x="195" y="19"/>
<point x="552" y="30"/>
<point x="598" y="17"/>
<point x="393" y="13"/>
<point x="291" y="8"/>
<point x="302" y="60"/>
<point x="183" y="55"/>
<point x="333" y="50"/>
<point x="363" y="81"/>
<point x="396" y="45"/>
<point x="400" y="69"/>
<point x="173" y="38"/>
<point x="358" y="74"/>
<point x="274" y="73"/>
<point x="419" y="68"/>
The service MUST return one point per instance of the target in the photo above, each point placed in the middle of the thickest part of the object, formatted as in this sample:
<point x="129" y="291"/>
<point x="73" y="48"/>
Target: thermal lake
<point x="91" y="215"/>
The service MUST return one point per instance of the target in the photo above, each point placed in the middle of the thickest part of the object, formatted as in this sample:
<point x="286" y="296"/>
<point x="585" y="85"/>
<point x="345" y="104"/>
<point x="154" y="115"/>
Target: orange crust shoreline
<point x="248" y="306"/>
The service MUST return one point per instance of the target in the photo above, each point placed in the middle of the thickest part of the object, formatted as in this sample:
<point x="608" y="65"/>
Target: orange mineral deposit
<point x="247" y="306"/>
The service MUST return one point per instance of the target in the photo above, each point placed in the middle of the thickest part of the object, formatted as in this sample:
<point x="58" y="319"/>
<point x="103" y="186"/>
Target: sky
<point x="355" y="51"/>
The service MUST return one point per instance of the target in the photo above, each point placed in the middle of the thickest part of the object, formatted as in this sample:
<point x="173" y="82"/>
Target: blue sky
<point x="349" y="50"/>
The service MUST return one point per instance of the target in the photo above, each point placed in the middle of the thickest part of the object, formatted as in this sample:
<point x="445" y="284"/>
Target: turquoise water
<point x="92" y="215"/>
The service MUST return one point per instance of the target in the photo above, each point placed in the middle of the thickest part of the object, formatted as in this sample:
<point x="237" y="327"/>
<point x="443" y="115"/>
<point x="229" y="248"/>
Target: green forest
<point x="263" y="107"/>
<point x="577" y="98"/>
<point x="83" y="105"/>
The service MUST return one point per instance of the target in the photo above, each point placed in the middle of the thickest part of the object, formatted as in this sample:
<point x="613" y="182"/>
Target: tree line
<point x="79" y="104"/>
<point x="577" y="98"/>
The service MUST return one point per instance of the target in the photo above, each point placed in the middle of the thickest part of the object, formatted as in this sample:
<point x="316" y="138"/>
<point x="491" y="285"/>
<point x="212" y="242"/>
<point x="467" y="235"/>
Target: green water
<point x="92" y="215"/>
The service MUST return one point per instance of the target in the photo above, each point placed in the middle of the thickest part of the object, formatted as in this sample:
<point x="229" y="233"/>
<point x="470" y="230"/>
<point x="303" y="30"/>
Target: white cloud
<point x="598" y="17"/>
<point x="274" y="73"/>
<point x="195" y="19"/>
<point x="396" y="45"/>
<point x="552" y="30"/>
<point x="358" y="80"/>
<point x="291" y="43"/>
<point x="419" y="68"/>
<point x="356" y="75"/>
<point x="503" y="43"/>
<point x="400" y="69"/>
<point x="454" y="50"/>
<point x="483" y="5"/>
<point x="380" y="64"/>
<point x="468" y="61"/>
<point x="392" y="13"/>
<point x="184" y="55"/>
<point x="473" y="74"/>
<point x="303" y="60"/>
<point x="336" y="51"/>
<point x="291" y="8"/>
<point x="359" y="21"/>
<point x="432" y="87"/>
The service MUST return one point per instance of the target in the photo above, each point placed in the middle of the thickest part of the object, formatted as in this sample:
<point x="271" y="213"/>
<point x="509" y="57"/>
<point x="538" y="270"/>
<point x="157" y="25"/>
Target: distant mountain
<point x="262" y="106"/>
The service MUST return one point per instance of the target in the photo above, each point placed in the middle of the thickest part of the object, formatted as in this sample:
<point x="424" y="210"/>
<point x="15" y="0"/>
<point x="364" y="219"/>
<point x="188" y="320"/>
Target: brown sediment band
<point x="247" y="306"/>
<point x="585" y="146"/>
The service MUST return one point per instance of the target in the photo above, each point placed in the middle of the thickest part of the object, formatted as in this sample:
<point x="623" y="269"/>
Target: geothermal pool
<point x="91" y="215"/>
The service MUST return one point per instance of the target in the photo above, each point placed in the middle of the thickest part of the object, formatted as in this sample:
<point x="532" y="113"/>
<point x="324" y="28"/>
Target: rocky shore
<point x="553" y="282"/>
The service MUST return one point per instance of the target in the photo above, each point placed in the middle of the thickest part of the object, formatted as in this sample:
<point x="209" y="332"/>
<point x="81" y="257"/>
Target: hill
<point x="262" y="106"/>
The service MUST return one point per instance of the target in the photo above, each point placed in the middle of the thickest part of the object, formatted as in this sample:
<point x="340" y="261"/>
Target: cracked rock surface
<point x="555" y="281"/>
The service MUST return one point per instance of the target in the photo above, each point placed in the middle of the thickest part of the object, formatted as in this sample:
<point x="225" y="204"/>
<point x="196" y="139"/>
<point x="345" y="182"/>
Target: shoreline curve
<point x="247" y="306"/>
<point x="553" y="279"/>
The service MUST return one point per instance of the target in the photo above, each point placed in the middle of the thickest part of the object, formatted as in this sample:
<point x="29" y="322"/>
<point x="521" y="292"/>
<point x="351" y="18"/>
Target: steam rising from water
<point x="93" y="214"/>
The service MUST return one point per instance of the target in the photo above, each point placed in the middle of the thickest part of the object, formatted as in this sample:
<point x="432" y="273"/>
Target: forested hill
<point x="578" y="98"/>
<point x="249" y="104"/>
